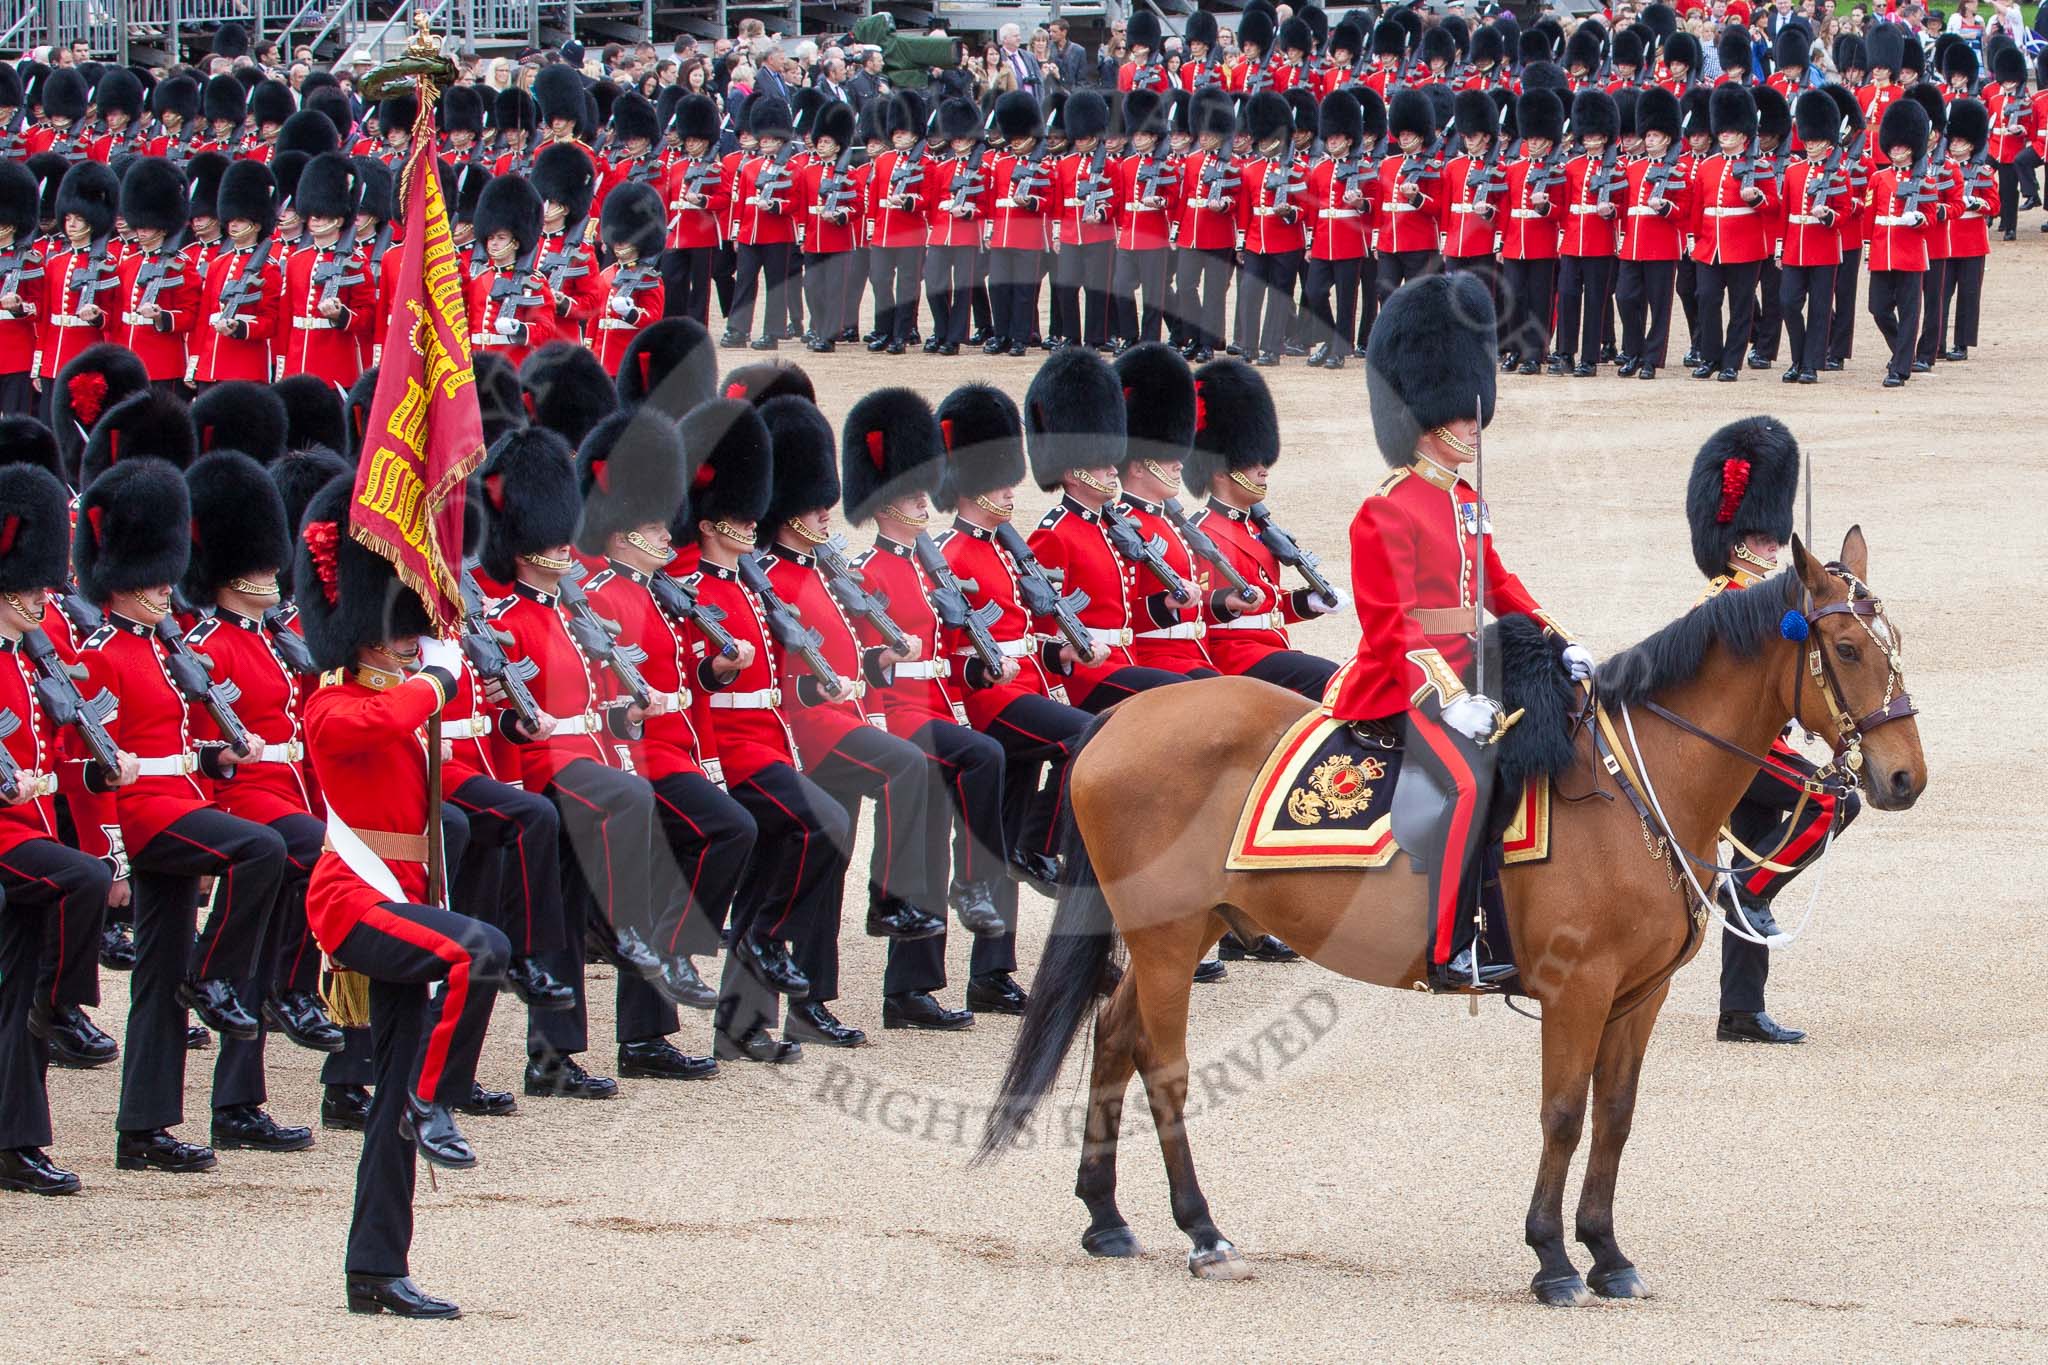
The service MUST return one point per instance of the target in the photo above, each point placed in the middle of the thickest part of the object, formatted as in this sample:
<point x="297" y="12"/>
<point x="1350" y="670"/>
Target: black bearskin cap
<point x="331" y="105"/>
<point x="224" y="100"/>
<point x="1743" y="482"/>
<point x="1583" y="49"/>
<point x="1886" y="44"/>
<point x="380" y="194"/>
<point x="20" y="201"/>
<point x="890" y="447"/>
<point x="1539" y="114"/>
<point x="1846" y="105"/>
<point x="695" y="116"/>
<point x="298" y="475"/>
<point x="1733" y="48"/>
<point x="1733" y="110"/>
<point x="237" y="415"/>
<point x="35" y="526"/>
<point x="835" y="121"/>
<point x="1697" y="107"/>
<point x="1374" y="109"/>
<point x="633" y="214"/>
<point x="238" y="525"/>
<point x="1629" y="47"/>
<point x="1437" y="45"/>
<point x="1017" y="116"/>
<point x="629" y="471"/>
<point x="1267" y="116"/>
<point x="348" y="596"/>
<point x="1928" y="97"/>
<point x="769" y="116"/>
<point x="1660" y="19"/>
<point x="805" y="461"/>
<point x="1255" y="29"/>
<point x="1201" y="28"/>
<point x="1389" y="39"/>
<point x="271" y="102"/>
<point x="90" y="191"/>
<point x="903" y="113"/>
<point x="203" y="174"/>
<point x="2008" y="64"/>
<point x="1236" y="424"/>
<point x="1074" y="416"/>
<point x="1487" y="47"/>
<point x="313" y="413"/>
<point x="731" y="461"/>
<point x="1533" y="45"/>
<point x="230" y="41"/>
<point x="95" y="380"/>
<point x="558" y="89"/>
<point x="143" y="424"/>
<point x="1547" y="76"/>
<point x="1473" y="112"/>
<point x="1213" y="111"/>
<point x="1142" y="30"/>
<point x="1657" y="112"/>
<point x="361" y="396"/>
<point x="1087" y="114"/>
<point x="1792" y="48"/>
<point x="670" y="365"/>
<point x="510" y="204"/>
<point x="1341" y="116"/>
<point x="119" y="92"/>
<point x="1143" y="111"/>
<point x="766" y="379"/>
<point x="1410" y="112"/>
<point x="514" y="110"/>
<point x="24" y="440"/>
<point x="498" y="396"/>
<point x="1293" y="36"/>
<point x="461" y="109"/>
<point x="1968" y="121"/>
<point x="633" y="116"/>
<point x="562" y="174"/>
<point x="328" y="188"/>
<point x="134" y="530"/>
<point x="1594" y="114"/>
<point x="958" y="118"/>
<point x="1773" y="113"/>
<point x="64" y="95"/>
<point x="984" y="438"/>
<point x="175" y="96"/>
<point x="247" y="190"/>
<point x="309" y="131"/>
<point x="1683" y="49"/>
<point x="567" y="391"/>
<point x="1431" y="360"/>
<point x="1159" y="403"/>
<point x="530" y="499"/>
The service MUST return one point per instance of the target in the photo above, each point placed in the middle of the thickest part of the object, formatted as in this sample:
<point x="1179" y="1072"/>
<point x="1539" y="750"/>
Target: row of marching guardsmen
<point x="675" y="687"/>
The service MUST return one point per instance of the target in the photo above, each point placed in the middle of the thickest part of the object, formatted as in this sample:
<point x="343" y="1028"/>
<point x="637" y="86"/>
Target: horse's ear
<point x="1810" y="570"/>
<point x="1855" y="555"/>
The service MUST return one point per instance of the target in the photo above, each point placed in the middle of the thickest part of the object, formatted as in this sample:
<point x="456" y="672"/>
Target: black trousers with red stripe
<point x="709" y="837"/>
<point x="511" y="873"/>
<point x="57" y="893"/>
<point x="1038" y="736"/>
<point x="426" y="1044"/>
<point x="248" y="860"/>
<point x="789" y="894"/>
<point x="1308" y="674"/>
<point x="1464" y="772"/>
<point x="893" y="774"/>
<point x="965" y="769"/>
<point x="1760" y="821"/>
<point x="290" y="960"/>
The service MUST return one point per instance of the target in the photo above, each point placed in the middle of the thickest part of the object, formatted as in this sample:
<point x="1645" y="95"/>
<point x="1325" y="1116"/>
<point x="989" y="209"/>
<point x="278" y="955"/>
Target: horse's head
<point x="1852" y="685"/>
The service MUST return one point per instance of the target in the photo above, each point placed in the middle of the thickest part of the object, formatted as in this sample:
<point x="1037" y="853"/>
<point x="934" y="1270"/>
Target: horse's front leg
<point x="1573" y="1019"/>
<point x="1615" y="1074"/>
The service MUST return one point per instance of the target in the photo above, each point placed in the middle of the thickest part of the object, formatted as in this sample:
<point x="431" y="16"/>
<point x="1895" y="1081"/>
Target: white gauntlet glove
<point x="622" y="305"/>
<point x="506" y="327"/>
<point x="1477" y="718"/>
<point x="1578" y="661"/>
<point x="445" y="655"/>
<point x="1328" y="606"/>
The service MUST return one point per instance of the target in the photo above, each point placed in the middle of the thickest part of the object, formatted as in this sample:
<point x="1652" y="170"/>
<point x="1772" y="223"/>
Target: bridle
<point x="1897" y="704"/>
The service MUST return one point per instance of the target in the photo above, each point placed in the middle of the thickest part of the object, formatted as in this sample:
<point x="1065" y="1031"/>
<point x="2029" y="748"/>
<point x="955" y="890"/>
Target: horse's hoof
<point x="1624" y="1283"/>
<point x="1564" y="1291"/>
<point x="1118" y="1241"/>
<point x="1219" y="1262"/>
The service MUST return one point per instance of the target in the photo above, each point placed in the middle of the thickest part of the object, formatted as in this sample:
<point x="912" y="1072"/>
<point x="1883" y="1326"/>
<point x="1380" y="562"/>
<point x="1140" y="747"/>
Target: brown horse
<point x="1598" y="929"/>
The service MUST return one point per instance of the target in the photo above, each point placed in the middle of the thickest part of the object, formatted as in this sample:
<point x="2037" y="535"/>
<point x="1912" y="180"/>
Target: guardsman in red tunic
<point x="892" y="457"/>
<point x="698" y="208"/>
<point x="1472" y="186"/>
<point x="1146" y="68"/>
<point x="1020" y="184"/>
<point x="271" y="103"/>
<point x="842" y="749"/>
<point x="1948" y="175"/>
<point x="1340" y="197"/>
<point x="175" y="103"/>
<point x="512" y="311"/>
<point x="225" y="103"/>
<point x="1591" y="196"/>
<point x="1735" y="202"/>
<point x="1413" y="548"/>
<point x="1739" y="501"/>
<point x="1682" y="68"/>
<point x="764" y="203"/>
<point x="1147" y="184"/>
<point x="954" y="194"/>
<point x="330" y="298"/>
<point x="1886" y="46"/>
<point x="1654" y="219"/>
<point x="2013" y="125"/>
<point x="1815" y="196"/>
<point x="1159" y="402"/>
<point x="893" y="204"/>
<point x="1408" y="210"/>
<point x="565" y="110"/>
<point x="62" y="129"/>
<point x="1531" y="221"/>
<point x="460" y="114"/>
<point x="635" y="158"/>
<point x="1199" y="68"/>
<point x="1085" y="196"/>
<point x="632" y="228"/>
<point x="1210" y="186"/>
<point x="131" y="547"/>
<point x="79" y="280"/>
<point x="158" y="300"/>
<point x="1023" y="704"/>
<point x="630" y="470"/>
<point x="1969" y="233"/>
<point x="795" y="894"/>
<point x="367" y="898"/>
<point x="118" y="98"/>
<point x="242" y="304"/>
<point x="563" y="178"/>
<point x="1904" y="206"/>
<point x="239" y="544"/>
<point x="829" y="192"/>
<point x="21" y="289"/>
<point x="516" y="117"/>
<point x="1272" y="219"/>
<point x="55" y="894"/>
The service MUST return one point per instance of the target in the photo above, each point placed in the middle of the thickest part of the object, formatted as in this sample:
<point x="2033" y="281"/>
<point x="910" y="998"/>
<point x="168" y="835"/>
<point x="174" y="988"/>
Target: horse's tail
<point x="1070" y="974"/>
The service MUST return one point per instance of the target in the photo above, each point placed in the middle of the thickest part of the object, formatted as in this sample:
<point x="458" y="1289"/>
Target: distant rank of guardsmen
<point x="1264" y="206"/>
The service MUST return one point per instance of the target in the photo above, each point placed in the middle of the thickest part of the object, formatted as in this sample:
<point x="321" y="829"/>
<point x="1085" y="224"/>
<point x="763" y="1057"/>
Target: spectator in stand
<point x="771" y="68"/>
<point x="1965" y="21"/>
<point x="866" y="83"/>
<point x="1065" y="54"/>
<point x="299" y="73"/>
<point x="1051" y="80"/>
<point x="832" y="80"/>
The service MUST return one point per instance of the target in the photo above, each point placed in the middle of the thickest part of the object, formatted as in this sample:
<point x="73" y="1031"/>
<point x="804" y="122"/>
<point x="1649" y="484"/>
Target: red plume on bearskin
<point x="88" y="393"/>
<point x="1734" y="482"/>
<point x="323" y="538"/>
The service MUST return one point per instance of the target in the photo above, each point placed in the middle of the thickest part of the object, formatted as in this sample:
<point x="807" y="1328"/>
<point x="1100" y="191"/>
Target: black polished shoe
<point x="346" y="1107"/>
<point x="1742" y="1026"/>
<point x="896" y="348"/>
<point x="486" y="1104"/>
<point x="1209" y="971"/>
<point x="768" y="343"/>
<point x="877" y="343"/>
<point x="770" y="961"/>
<point x="756" y="1045"/>
<point x="197" y="1039"/>
<point x="536" y="987"/>
<point x="1264" y="948"/>
<point x="154" y="1149"/>
<point x="1647" y="372"/>
<point x="1039" y="871"/>
<point x="1790" y="376"/>
<point x="1510" y="362"/>
<point x="1583" y="371"/>
<point x="564" y="1079"/>
<point x="1559" y="364"/>
<point x="892" y="917"/>
<point x="1832" y="366"/>
<point x="1895" y="381"/>
<point x="1922" y="367"/>
<point x="996" y="993"/>
<point x="911" y="338"/>
<point x="995" y="346"/>
<point x="732" y="341"/>
<point x="1234" y="349"/>
<point x="219" y="1008"/>
<point x="1728" y="376"/>
<point x="1760" y="918"/>
<point x="1808" y="377"/>
<point x="249" y="1128"/>
<point x="975" y="904"/>
<point x="1319" y="355"/>
<point x="1692" y="359"/>
<point x="1335" y="362"/>
<point x="950" y="348"/>
<point x="932" y="345"/>
<point x="396" y="1295"/>
<point x="2009" y="236"/>
<point x="1607" y="355"/>
<point x="679" y="984"/>
<point x="117" y="947"/>
<point x="25" y="1170"/>
<point x="1265" y="360"/>
<point x="74" y="1040"/>
<point x="1956" y="353"/>
<point x="977" y="336"/>
<point x="809" y="1021"/>
<point x="822" y="347"/>
<point x="1759" y="361"/>
<point x="656" y="1059"/>
<point x="1458" y="973"/>
<point x="1529" y="367"/>
<point x="1294" y="348"/>
<point x="1204" y="354"/>
<point x="299" y="1017"/>
<point x="624" y="949"/>
<point x="1018" y="350"/>
<point x="1627" y="367"/>
<point x="921" y="1010"/>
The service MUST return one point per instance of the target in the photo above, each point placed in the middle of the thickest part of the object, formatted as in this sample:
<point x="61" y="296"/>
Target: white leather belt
<point x="1642" y="211"/>
<point x="489" y="339"/>
<point x="1269" y="210"/>
<point x="1804" y="219"/>
<point x="314" y="324"/>
<point x="1525" y="213"/>
<point x="1971" y="213"/>
<point x="1586" y="208"/>
<point x="1891" y="220"/>
<point x="44" y="785"/>
<point x="1184" y="630"/>
<point x="469" y="727"/>
<point x="136" y="320"/>
<point x="1263" y="620"/>
<point x="172" y="765"/>
<point x="1340" y="213"/>
<point x="1396" y="206"/>
<point x="761" y="700"/>
<point x="922" y="668"/>
<point x="1466" y="208"/>
<point x="615" y="325"/>
<point x="68" y="320"/>
<point x="1112" y="639"/>
<point x="585" y="724"/>
<point x="1723" y="211"/>
<point x="671" y="701"/>
<point x="279" y="753"/>
<point x="1018" y="648"/>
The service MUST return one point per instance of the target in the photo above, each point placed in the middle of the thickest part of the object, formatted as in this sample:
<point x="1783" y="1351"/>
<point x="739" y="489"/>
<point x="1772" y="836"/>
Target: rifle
<point x="1751" y="165"/>
<point x="155" y="276"/>
<point x="1029" y="177"/>
<point x="484" y="645"/>
<point x="1919" y="188"/>
<point x="966" y="180"/>
<point x="599" y="639"/>
<point x="834" y="187"/>
<point x="1042" y="597"/>
<point x="330" y="276"/>
<point x="1281" y="181"/>
<point x="1545" y="173"/>
<point x="98" y="278"/>
<point x="787" y="626"/>
<point x="680" y="605"/>
<point x="844" y="583"/>
<point x="15" y="263"/>
<point x="57" y="693"/>
<point x="1286" y="551"/>
<point x="1157" y="170"/>
<point x="1662" y="174"/>
<point x="289" y="644"/>
<point x="1977" y="174"/>
<point x="238" y="291"/>
<point x="1609" y="176"/>
<point x="1200" y="545"/>
<point x="776" y="178"/>
<point x="10" y="771"/>
<point x="1834" y="180"/>
<point x="1218" y="175"/>
<point x="702" y="172"/>
<point x="949" y="603"/>
<point x="193" y="678"/>
<point x="1355" y="169"/>
<point x="1093" y="190"/>
<point x="556" y="267"/>
<point x="1132" y="547"/>
<point x="1491" y="176"/>
<point x="508" y="290"/>
<point x="908" y="172"/>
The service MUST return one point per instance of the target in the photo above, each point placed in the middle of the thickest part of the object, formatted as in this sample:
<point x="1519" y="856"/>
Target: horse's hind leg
<point x="1163" y="1058"/>
<point x="1573" y="1021"/>
<point x="1116" y="1027"/>
<point x="1615" y="1074"/>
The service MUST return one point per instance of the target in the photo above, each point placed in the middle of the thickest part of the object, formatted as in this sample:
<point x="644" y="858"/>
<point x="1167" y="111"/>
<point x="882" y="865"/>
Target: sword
<point x="1479" y="552"/>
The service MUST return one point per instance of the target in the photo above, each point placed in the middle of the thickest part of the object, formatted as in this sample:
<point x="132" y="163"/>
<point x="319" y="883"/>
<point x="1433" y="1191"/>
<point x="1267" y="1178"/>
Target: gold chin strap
<point x="1152" y="468"/>
<point x="796" y="525"/>
<point x="999" y="513"/>
<point x="1744" y="553"/>
<point x="162" y="608"/>
<point x="34" y="618"/>
<point x="1257" y="490"/>
<point x="724" y="528"/>
<point x="1087" y="480"/>
<point x="640" y="543"/>
<point x="248" y="589"/>
<point x="1449" y="438"/>
<point x="923" y="519"/>
<point x="547" y="565"/>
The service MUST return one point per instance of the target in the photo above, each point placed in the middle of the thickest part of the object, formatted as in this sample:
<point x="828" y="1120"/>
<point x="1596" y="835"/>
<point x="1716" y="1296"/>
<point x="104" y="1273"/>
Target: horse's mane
<point x="1743" y="621"/>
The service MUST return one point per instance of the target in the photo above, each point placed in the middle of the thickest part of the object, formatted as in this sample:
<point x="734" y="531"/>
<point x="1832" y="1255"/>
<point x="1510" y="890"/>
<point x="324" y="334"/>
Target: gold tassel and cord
<point x="346" y="995"/>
